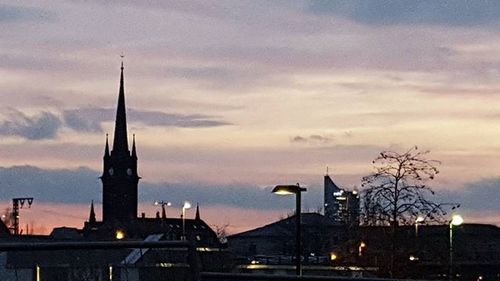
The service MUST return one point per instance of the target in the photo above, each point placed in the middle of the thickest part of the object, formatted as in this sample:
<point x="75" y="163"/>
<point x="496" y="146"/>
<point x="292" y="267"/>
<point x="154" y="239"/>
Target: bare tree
<point x="221" y="232"/>
<point x="397" y="194"/>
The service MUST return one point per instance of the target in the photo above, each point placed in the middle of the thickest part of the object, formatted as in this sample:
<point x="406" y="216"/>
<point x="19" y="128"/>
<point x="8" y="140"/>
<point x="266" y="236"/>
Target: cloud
<point x="313" y="140"/>
<point x="16" y="13"/>
<point x="82" y="185"/>
<point x="434" y="12"/>
<point x="477" y="196"/>
<point x="90" y="119"/>
<point x="157" y="118"/>
<point x="58" y="185"/>
<point x="38" y="127"/>
<point x="45" y="125"/>
<point x="87" y="119"/>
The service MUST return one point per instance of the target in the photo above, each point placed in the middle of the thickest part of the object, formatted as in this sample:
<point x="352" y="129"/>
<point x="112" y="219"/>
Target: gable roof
<point x="286" y="226"/>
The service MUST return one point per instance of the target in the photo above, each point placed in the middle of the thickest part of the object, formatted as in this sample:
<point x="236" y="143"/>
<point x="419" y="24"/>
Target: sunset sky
<point x="229" y="98"/>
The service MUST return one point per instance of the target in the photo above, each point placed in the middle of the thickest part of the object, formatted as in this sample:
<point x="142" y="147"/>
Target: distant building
<point x="340" y="206"/>
<point x="319" y="236"/>
<point x="426" y="255"/>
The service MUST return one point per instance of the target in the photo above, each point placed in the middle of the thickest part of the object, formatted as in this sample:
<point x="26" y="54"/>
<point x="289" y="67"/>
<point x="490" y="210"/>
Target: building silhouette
<point x="120" y="182"/>
<point x="119" y="176"/>
<point x="340" y="206"/>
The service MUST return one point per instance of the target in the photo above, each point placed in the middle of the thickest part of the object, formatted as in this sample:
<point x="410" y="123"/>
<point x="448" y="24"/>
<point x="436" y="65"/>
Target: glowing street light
<point x="456" y="220"/>
<point x="120" y="234"/>
<point x="418" y="221"/>
<point x="186" y="206"/>
<point x="163" y="204"/>
<point x="297" y="190"/>
<point x="362" y="245"/>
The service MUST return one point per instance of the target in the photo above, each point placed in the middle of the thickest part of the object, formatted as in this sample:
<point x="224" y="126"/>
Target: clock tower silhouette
<point x="119" y="177"/>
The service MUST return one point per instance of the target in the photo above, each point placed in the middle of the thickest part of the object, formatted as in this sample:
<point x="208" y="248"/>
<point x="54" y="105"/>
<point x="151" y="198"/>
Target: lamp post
<point x="456" y="220"/>
<point x="297" y="190"/>
<point x="419" y="220"/>
<point x="186" y="206"/>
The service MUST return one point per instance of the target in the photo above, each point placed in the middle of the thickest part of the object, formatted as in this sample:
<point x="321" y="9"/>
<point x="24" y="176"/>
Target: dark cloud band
<point x="425" y="12"/>
<point x="46" y="125"/>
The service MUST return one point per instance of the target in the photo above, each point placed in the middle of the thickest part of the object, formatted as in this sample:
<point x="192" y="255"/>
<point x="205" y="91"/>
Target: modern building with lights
<point x="340" y="206"/>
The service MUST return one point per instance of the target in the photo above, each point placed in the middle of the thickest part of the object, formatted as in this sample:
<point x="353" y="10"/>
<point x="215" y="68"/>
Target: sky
<point x="229" y="98"/>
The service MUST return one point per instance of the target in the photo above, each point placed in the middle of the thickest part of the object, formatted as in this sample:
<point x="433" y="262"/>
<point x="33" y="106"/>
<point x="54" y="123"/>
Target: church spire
<point x="120" y="143"/>
<point x="106" y="149"/>
<point x="197" y="216"/>
<point x="92" y="213"/>
<point x="134" y="152"/>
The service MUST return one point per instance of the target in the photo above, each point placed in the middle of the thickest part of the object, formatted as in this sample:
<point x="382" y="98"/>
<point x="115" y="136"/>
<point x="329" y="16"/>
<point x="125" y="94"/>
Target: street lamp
<point x="186" y="206"/>
<point x="297" y="190"/>
<point x="456" y="220"/>
<point x="418" y="221"/>
<point x="163" y="204"/>
<point x="362" y="245"/>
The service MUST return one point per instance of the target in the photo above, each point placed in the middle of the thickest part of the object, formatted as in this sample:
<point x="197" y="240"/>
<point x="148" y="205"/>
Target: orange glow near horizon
<point x="42" y="217"/>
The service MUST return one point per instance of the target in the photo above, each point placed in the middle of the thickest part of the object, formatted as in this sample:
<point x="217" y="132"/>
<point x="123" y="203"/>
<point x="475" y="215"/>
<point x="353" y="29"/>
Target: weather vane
<point x="122" y="56"/>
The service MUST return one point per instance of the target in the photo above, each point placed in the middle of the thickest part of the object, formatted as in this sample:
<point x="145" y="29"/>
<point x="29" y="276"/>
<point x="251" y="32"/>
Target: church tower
<point x="119" y="177"/>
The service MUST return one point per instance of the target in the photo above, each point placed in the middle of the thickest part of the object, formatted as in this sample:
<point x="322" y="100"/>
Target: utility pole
<point x="18" y="203"/>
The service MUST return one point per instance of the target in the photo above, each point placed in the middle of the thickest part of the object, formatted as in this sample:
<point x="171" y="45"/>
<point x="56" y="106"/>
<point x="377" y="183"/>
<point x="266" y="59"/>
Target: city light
<point x="457" y="220"/>
<point x="362" y="245"/>
<point x="186" y="206"/>
<point x="120" y="234"/>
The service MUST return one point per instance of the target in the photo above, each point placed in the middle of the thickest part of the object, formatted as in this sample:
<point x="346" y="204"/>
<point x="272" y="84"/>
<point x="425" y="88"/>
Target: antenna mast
<point x="18" y="203"/>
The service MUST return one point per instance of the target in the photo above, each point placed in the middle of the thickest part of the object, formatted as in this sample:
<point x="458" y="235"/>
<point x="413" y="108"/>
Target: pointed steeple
<point x="92" y="213"/>
<point x="134" y="152"/>
<point x="106" y="149"/>
<point x="120" y="142"/>
<point x="197" y="216"/>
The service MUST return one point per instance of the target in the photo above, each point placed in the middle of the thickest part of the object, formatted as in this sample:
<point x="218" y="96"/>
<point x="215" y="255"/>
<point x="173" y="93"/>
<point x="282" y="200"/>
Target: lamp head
<point x="186" y="205"/>
<point x="419" y="219"/>
<point x="288" y="189"/>
<point x="457" y="220"/>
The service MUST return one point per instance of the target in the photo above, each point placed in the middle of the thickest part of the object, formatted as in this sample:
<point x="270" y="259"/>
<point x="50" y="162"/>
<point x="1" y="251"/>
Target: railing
<point x="97" y="245"/>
